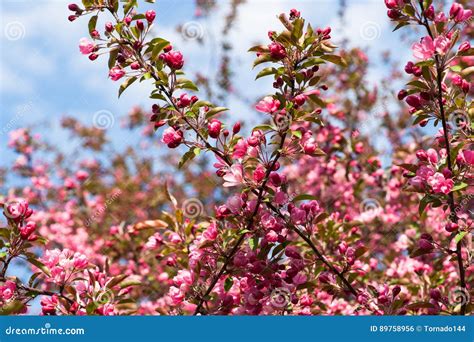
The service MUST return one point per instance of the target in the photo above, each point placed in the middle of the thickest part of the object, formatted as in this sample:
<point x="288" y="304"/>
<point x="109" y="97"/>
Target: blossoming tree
<point x="310" y="222"/>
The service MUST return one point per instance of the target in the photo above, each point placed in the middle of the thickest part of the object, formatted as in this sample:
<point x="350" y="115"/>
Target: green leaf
<point x="266" y="72"/>
<point x="113" y="57"/>
<point x="116" y="280"/>
<point x="253" y="242"/>
<point x="262" y="59"/>
<point x="39" y="265"/>
<point x="228" y="283"/>
<point x="317" y="100"/>
<point x="259" y="48"/>
<point x="297" y="134"/>
<point x="5" y="233"/>
<point x="400" y="25"/>
<point x="420" y="305"/>
<point x="297" y="31"/>
<point x="11" y="308"/>
<point x="417" y="84"/>
<point x="126" y="84"/>
<point x="131" y="282"/>
<point x="335" y="59"/>
<point x="304" y="197"/>
<point x="128" y="6"/>
<point x="263" y="128"/>
<point x="423" y="203"/>
<point x="184" y="83"/>
<point x="158" y="45"/>
<point x="214" y="111"/>
<point x="279" y="248"/>
<point x="459" y="236"/>
<point x="92" y="24"/>
<point x="456" y="68"/>
<point x="409" y="167"/>
<point x="459" y="186"/>
<point x="190" y="155"/>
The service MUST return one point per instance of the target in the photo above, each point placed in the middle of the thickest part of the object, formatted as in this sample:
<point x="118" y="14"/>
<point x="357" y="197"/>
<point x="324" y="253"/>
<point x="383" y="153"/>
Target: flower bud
<point x="236" y="128"/>
<point x="413" y="101"/>
<point x="396" y="290"/>
<point x="425" y="245"/>
<point x="430" y="13"/>
<point x="150" y="16"/>
<point x="214" y="128"/>
<point x="393" y="14"/>
<point x="435" y="294"/>
<point x="464" y="47"/>
<point x="409" y="68"/>
<point x="275" y="178"/>
<point x="451" y="227"/>
<point x="422" y="155"/>
<point x="73" y="7"/>
<point x="109" y="27"/>
<point x="402" y="94"/>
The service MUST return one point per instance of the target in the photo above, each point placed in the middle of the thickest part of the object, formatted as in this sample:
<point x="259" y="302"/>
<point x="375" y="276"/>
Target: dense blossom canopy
<point x="302" y="215"/>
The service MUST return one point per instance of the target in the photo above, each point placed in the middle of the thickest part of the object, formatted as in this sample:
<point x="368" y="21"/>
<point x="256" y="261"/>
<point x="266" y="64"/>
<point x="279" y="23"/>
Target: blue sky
<point x="43" y="76"/>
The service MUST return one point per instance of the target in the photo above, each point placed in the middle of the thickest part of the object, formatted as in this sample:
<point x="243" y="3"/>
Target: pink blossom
<point x="184" y="277"/>
<point x="468" y="157"/>
<point x="234" y="176"/>
<point x="174" y="59"/>
<point x="86" y="46"/>
<point x="107" y="310"/>
<point x="27" y="230"/>
<point x="277" y="50"/>
<point x="300" y="278"/>
<point x="176" y="295"/>
<point x="425" y="49"/>
<point x="268" y="105"/>
<point x="214" y="128"/>
<point x="424" y="172"/>
<point x="440" y="184"/>
<point x="458" y="13"/>
<point x="171" y="137"/>
<point x="18" y="210"/>
<point x="210" y="233"/>
<point x="7" y="290"/>
<point x="465" y="46"/>
<point x="116" y="73"/>
<point x="442" y="44"/>
<point x="150" y="16"/>
<point x="240" y="149"/>
<point x="49" y="304"/>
